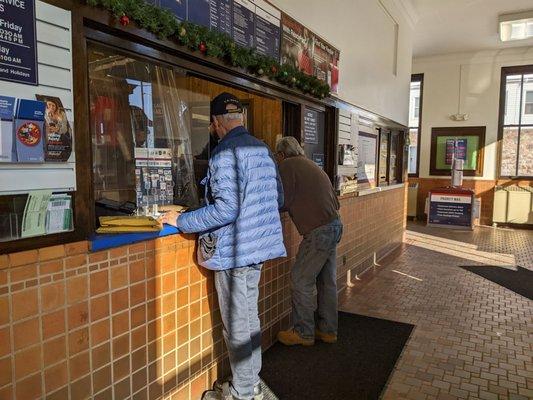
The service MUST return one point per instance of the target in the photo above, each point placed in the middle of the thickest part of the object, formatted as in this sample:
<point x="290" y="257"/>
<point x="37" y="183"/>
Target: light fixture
<point x="516" y="26"/>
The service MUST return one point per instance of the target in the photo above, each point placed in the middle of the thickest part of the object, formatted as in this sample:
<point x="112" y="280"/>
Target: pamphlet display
<point x="34" y="219"/>
<point x="7" y="111"/>
<point x="29" y="131"/>
<point x="18" y="44"/>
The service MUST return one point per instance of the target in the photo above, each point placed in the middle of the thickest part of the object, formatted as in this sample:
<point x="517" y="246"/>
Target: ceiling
<point x="450" y="26"/>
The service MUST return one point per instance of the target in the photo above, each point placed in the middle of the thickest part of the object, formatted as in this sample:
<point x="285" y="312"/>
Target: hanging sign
<point x="267" y="29"/>
<point x="18" y="43"/>
<point x="243" y="22"/>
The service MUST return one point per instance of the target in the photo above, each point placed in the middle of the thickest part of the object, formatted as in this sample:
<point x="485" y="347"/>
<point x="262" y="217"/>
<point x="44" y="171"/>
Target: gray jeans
<point x="314" y="280"/>
<point x="238" y="294"/>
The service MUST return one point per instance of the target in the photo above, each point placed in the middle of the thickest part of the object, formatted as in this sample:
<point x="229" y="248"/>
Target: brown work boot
<point x="292" y="338"/>
<point x="325" y="337"/>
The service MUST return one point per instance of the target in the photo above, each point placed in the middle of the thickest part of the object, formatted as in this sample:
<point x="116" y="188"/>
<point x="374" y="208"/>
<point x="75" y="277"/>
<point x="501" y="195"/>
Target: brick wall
<point x="483" y="189"/>
<point x="141" y="321"/>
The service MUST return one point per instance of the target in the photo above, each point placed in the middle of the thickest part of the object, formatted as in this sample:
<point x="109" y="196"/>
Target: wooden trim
<point x="478" y="131"/>
<point x="418" y="78"/>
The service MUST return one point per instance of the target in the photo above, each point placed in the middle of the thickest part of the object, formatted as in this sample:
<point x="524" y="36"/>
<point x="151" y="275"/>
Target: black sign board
<point x="221" y="15"/>
<point x="311" y="127"/>
<point x="199" y="12"/>
<point x="176" y="7"/>
<point x="18" y="42"/>
<point x="451" y="208"/>
<point x="267" y="29"/>
<point x="243" y="22"/>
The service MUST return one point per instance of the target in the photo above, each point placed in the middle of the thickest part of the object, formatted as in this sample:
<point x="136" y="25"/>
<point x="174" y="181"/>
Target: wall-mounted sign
<point x="309" y="53"/>
<point x="243" y="22"/>
<point x="310" y="127"/>
<point x="455" y="149"/>
<point x="267" y="29"/>
<point x="18" y="43"/>
<point x="318" y="158"/>
<point x="452" y="208"/>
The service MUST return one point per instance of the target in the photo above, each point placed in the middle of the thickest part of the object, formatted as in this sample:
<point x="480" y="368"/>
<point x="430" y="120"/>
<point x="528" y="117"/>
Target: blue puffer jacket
<point x="240" y="225"/>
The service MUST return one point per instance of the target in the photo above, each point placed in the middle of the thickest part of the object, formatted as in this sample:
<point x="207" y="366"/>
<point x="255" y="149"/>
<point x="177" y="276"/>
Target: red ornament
<point x="124" y="20"/>
<point x="202" y="47"/>
<point x="274" y="69"/>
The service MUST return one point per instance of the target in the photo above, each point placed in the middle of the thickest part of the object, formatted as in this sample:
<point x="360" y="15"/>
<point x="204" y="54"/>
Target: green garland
<point x="162" y="23"/>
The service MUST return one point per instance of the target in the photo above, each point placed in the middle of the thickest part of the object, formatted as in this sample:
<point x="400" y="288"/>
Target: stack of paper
<point x="59" y="213"/>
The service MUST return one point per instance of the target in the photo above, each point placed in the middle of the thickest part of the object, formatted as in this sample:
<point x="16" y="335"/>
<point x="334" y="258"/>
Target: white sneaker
<point x="219" y="387"/>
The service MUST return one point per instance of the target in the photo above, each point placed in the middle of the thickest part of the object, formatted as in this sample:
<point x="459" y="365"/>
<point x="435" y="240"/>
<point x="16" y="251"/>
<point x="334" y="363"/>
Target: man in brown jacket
<point x="313" y="207"/>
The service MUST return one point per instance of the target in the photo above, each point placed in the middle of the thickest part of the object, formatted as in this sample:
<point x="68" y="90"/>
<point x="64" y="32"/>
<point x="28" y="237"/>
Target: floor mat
<point x="519" y="281"/>
<point x="356" y="367"/>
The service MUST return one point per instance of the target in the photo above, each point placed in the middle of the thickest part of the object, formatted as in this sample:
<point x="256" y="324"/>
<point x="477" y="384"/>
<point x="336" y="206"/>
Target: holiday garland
<point x="212" y="43"/>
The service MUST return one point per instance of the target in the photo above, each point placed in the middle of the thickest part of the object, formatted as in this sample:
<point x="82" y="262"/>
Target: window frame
<point x="417" y="78"/>
<point x="506" y="71"/>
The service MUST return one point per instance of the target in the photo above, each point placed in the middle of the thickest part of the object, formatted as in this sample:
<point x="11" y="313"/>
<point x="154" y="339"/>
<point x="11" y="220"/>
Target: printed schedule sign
<point x="451" y="209"/>
<point x="221" y="15"/>
<point x="243" y="22"/>
<point x="267" y="29"/>
<point x="18" y="43"/>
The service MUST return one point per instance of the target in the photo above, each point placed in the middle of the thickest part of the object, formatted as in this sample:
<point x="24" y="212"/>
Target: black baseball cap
<point x="220" y="103"/>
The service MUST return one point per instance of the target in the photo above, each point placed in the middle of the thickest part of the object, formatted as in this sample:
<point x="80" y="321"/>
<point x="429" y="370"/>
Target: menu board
<point x="221" y="15"/>
<point x="311" y="127"/>
<point x="267" y="29"/>
<point x="18" y="42"/>
<point x="308" y="52"/>
<point x="243" y="22"/>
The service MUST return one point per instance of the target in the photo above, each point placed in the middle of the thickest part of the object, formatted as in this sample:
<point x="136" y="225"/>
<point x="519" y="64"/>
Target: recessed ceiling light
<point x="517" y="26"/>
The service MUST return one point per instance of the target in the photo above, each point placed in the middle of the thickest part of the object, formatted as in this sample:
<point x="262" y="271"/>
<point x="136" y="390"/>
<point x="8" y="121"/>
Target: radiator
<point x="513" y="205"/>
<point x="412" y="199"/>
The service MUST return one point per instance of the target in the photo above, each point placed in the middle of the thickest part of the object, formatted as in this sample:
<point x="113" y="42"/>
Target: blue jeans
<point x="238" y="294"/>
<point x="314" y="281"/>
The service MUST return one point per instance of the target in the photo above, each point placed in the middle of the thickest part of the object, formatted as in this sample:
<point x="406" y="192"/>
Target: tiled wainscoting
<point x="141" y="321"/>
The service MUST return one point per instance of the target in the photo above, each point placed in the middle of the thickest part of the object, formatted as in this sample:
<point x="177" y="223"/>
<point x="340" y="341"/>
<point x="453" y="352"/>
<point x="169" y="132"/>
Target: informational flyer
<point x="59" y="213"/>
<point x="153" y="176"/>
<point x="18" y="42"/>
<point x="58" y="146"/>
<point x="318" y="158"/>
<point x="310" y="126"/>
<point x="7" y="113"/>
<point x="450" y="209"/>
<point x="244" y="22"/>
<point x="34" y="218"/>
<point x="366" y="158"/>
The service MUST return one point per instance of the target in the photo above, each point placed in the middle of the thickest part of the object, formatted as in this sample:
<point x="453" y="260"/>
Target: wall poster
<point x="367" y="158"/>
<point x="18" y="42"/>
<point x="310" y="126"/>
<point x="306" y="51"/>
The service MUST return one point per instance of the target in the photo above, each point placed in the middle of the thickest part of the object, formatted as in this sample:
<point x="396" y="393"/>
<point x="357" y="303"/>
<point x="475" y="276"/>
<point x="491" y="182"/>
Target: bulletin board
<point x="54" y="81"/>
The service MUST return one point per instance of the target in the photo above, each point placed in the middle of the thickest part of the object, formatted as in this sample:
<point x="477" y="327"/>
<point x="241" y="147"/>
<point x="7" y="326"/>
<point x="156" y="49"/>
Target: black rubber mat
<point x="519" y="281"/>
<point x="356" y="367"/>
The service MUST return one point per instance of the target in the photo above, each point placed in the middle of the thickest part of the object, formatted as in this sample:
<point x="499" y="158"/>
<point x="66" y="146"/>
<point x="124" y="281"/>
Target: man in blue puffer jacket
<point x="240" y="229"/>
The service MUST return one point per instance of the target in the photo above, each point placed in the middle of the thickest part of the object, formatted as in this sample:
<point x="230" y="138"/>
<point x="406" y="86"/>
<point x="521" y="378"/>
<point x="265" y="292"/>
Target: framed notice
<point x="367" y="158"/>
<point x="465" y="143"/>
<point x="310" y="126"/>
<point x="18" y="42"/>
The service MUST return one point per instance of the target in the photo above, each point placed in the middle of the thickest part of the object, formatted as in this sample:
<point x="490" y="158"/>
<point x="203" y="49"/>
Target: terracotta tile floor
<point x="473" y="338"/>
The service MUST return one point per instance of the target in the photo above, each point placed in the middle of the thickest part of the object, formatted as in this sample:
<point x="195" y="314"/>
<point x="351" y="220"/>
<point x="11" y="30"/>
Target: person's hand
<point x="219" y="129"/>
<point x="170" y="218"/>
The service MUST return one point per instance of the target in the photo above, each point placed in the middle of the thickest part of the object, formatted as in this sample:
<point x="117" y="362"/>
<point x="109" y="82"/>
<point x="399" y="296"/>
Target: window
<point x="415" y="122"/>
<point x="516" y="122"/>
<point x="390" y="156"/>
<point x="528" y="108"/>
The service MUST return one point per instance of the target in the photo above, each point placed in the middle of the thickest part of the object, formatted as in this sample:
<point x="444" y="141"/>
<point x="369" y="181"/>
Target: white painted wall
<point x="366" y="36"/>
<point x="480" y="96"/>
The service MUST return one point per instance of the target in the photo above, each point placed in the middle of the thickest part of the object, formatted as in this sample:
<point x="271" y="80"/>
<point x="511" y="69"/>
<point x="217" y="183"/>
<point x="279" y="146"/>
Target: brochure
<point x="7" y="110"/>
<point x="58" y="146"/>
<point x="59" y="213"/>
<point x="34" y="218"/>
<point x="29" y="130"/>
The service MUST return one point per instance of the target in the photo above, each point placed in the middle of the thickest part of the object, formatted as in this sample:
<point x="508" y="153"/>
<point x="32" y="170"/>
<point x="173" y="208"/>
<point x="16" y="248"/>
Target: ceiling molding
<point x="408" y="11"/>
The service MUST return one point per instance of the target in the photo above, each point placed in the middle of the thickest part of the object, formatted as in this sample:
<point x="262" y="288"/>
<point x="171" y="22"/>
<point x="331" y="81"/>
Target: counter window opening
<point x="149" y="125"/>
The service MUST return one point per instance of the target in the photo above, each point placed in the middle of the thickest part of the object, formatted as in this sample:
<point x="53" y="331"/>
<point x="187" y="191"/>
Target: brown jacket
<point x="309" y="196"/>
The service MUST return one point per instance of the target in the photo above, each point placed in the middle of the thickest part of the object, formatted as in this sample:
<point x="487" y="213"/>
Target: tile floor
<point x="473" y="339"/>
